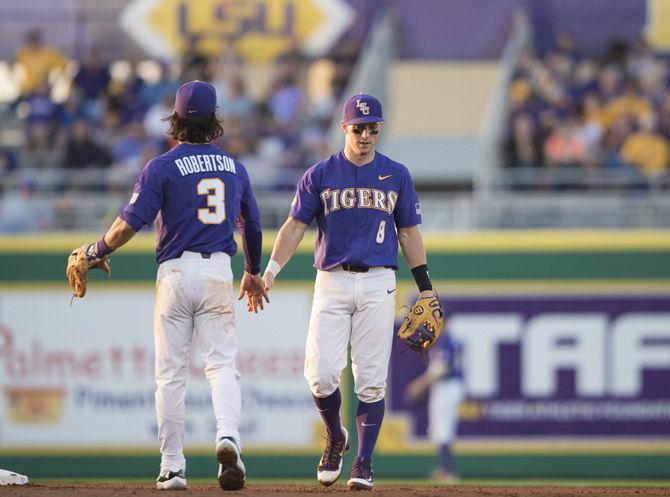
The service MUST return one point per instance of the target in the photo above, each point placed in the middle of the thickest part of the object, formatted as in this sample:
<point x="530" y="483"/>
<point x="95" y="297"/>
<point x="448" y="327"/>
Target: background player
<point x="196" y="194"/>
<point x="444" y="377"/>
<point x="358" y="197"/>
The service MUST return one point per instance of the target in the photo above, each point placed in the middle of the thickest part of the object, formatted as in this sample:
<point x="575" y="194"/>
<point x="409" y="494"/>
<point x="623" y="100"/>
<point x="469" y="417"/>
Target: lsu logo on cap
<point x="363" y="107"/>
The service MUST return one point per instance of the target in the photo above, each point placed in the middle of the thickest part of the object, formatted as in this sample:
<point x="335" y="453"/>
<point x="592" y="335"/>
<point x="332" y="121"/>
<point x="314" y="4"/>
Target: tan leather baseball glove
<point x="423" y="324"/>
<point x="78" y="264"/>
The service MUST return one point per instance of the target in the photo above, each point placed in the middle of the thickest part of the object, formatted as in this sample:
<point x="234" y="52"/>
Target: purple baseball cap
<point x="362" y="108"/>
<point x="195" y="98"/>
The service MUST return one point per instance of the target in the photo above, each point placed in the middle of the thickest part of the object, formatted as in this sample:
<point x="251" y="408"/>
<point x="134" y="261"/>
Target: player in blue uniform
<point x="197" y="196"/>
<point x="359" y="199"/>
<point x="444" y="378"/>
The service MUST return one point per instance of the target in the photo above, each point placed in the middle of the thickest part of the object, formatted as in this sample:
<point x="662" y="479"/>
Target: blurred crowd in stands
<point x="104" y="119"/>
<point x="583" y="122"/>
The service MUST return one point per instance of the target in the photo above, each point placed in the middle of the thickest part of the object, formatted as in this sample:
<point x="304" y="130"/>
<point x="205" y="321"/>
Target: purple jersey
<point x="196" y="193"/>
<point x="449" y="351"/>
<point x="357" y="210"/>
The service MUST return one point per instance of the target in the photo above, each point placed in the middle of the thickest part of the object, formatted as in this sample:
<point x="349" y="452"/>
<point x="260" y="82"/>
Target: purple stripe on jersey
<point x="357" y="210"/>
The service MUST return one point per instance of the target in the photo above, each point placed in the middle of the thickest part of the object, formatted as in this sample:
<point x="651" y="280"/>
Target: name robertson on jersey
<point x="191" y="164"/>
<point x="366" y="198"/>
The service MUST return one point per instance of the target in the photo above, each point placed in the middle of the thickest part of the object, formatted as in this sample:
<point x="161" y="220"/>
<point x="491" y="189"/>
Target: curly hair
<point x="195" y="129"/>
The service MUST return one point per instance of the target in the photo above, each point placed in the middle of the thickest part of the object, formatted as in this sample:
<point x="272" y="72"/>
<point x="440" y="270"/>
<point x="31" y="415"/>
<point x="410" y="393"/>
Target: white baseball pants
<point x="356" y="308"/>
<point x="194" y="297"/>
<point x="445" y="397"/>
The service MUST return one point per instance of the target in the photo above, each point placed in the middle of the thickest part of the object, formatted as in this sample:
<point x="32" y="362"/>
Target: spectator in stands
<point x="564" y="148"/>
<point x="612" y="141"/>
<point x="125" y="99"/>
<point x="41" y="118"/>
<point x="523" y="148"/>
<point x="664" y="118"/>
<point x="195" y="64"/>
<point x="588" y="127"/>
<point x="131" y="151"/>
<point x="647" y="149"/>
<point x="238" y="104"/>
<point x="609" y="82"/>
<point x="629" y="103"/>
<point x="36" y="61"/>
<point x="22" y="211"/>
<point x="286" y="101"/>
<point x="82" y="151"/>
<point x="566" y="45"/>
<point x="155" y="123"/>
<point x="90" y="85"/>
<point x="8" y="164"/>
<point x="344" y="57"/>
<point x="154" y="93"/>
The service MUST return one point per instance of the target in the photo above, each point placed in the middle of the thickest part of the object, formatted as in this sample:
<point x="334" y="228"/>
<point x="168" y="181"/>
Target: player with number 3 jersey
<point x="364" y="204"/>
<point x="197" y="196"/>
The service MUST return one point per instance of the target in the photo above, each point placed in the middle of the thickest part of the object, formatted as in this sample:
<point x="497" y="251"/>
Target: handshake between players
<point x="253" y="287"/>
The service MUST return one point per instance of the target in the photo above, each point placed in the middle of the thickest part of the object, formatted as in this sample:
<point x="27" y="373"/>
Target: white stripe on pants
<point x="194" y="297"/>
<point x="356" y="308"/>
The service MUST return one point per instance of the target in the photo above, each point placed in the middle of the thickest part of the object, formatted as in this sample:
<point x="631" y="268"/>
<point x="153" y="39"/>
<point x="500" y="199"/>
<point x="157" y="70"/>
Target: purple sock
<point x="369" y="419"/>
<point x="446" y="461"/>
<point x="329" y="408"/>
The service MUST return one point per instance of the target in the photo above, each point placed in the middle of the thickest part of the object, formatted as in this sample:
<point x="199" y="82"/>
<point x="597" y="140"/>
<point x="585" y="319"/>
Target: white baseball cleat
<point x="232" y="473"/>
<point x="330" y="466"/>
<point x="171" y="480"/>
<point x="362" y="476"/>
<point x="11" y="478"/>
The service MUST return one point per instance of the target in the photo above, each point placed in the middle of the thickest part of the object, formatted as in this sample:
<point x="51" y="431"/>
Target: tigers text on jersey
<point x="195" y="193"/>
<point x="357" y="210"/>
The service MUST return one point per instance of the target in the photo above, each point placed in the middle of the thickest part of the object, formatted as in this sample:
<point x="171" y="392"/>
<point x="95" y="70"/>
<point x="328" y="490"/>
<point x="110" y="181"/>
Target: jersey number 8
<point x="215" y="212"/>
<point x="381" y="231"/>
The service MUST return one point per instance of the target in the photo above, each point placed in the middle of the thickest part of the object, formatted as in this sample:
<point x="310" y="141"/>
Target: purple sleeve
<point x="249" y="226"/>
<point x="408" y="209"/>
<point x="306" y="203"/>
<point x="146" y="200"/>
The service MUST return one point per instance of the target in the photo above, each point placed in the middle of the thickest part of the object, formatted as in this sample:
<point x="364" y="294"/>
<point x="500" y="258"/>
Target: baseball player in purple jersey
<point x="197" y="196"/>
<point x="364" y="204"/>
<point x="444" y="379"/>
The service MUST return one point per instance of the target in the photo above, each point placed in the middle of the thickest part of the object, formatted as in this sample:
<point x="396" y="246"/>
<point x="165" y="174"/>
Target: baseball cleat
<point x="171" y="480"/>
<point x="330" y="466"/>
<point x="362" y="476"/>
<point x="232" y="473"/>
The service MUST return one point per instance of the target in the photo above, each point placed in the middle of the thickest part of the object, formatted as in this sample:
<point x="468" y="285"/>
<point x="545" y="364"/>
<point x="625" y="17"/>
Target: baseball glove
<point x="423" y="324"/>
<point x="78" y="264"/>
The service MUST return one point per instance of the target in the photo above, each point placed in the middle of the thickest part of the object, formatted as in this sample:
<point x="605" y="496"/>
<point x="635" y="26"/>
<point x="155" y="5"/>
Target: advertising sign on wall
<point x="557" y="365"/>
<point x="84" y="375"/>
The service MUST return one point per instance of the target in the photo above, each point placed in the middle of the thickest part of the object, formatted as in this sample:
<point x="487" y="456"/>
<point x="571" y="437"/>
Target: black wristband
<point x="421" y="277"/>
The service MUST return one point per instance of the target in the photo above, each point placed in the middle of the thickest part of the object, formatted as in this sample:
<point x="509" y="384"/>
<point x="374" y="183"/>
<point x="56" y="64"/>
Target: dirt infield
<point x="203" y="490"/>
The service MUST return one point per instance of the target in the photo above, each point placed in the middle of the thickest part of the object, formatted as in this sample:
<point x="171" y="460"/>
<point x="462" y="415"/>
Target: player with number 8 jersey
<point x="364" y="205"/>
<point x="197" y="196"/>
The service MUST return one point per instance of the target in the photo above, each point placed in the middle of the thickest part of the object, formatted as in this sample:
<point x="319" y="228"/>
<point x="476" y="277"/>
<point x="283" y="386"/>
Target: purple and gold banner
<point x="556" y="365"/>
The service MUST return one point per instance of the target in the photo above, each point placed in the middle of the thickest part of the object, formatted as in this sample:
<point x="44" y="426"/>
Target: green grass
<point x="385" y="482"/>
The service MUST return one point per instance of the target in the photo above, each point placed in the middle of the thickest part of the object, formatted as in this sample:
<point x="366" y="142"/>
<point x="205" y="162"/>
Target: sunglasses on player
<point x="373" y="129"/>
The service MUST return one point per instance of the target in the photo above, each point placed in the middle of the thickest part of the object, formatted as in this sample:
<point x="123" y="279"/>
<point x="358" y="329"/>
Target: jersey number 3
<point x="215" y="212"/>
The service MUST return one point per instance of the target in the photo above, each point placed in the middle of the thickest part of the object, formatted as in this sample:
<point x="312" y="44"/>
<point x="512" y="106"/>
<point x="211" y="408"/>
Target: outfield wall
<point x="567" y="341"/>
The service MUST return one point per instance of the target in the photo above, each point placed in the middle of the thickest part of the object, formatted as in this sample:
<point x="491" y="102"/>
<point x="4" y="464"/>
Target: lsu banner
<point x="556" y="365"/>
